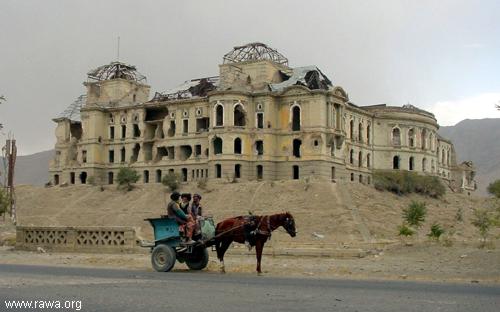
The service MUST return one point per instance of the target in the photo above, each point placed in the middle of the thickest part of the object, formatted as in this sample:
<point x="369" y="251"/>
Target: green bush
<point x="436" y="231"/>
<point x="4" y="201"/>
<point x="172" y="181"/>
<point x="482" y="222"/>
<point x="405" y="182"/>
<point x="126" y="177"/>
<point x="494" y="188"/>
<point x="415" y="213"/>
<point x="404" y="230"/>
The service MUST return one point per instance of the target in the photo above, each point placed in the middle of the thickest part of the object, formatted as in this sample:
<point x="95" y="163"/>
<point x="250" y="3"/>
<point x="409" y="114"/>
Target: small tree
<point x="172" y="181"/>
<point x="459" y="216"/>
<point x="4" y="201"/>
<point x="436" y="231"/>
<point x="404" y="230"/>
<point x="482" y="222"/>
<point x="494" y="188"/>
<point x="126" y="177"/>
<point x="415" y="213"/>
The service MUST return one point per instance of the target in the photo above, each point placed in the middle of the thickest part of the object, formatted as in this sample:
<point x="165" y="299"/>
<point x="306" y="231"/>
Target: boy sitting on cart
<point x="186" y="222"/>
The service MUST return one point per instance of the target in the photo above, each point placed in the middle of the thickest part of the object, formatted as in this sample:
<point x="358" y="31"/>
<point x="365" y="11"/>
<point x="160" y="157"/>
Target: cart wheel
<point x="199" y="260"/>
<point x="163" y="258"/>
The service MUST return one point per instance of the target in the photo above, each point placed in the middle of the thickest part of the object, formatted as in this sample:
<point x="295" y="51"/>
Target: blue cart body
<point x="166" y="231"/>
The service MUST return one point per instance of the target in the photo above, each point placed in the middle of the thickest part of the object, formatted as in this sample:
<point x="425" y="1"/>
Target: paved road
<point x="128" y="290"/>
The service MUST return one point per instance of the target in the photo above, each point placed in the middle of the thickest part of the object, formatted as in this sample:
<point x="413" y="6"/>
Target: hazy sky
<point x="443" y="56"/>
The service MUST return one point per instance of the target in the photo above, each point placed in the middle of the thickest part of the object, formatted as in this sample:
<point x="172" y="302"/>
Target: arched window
<point x="296" y="120"/>
<point x="368" y="134"/>
<point x="448" y="161"/>
<point x="218" y="171"/>
<point x="351" y="129"/>
<point x="237" y="146"/>
<point x="423" y="138"/>
<point x="219" y="115"/>
<point x="424" y="164"/>
<point x="217" y="146"/>
<point x="158" y="176"/>
<point x="360" y="159"/>
<point x="443" y="157"/>
<point x="395" y="162"/>
<point x="411" y="163"/>
<point x="411" y="138"/>
<point x="360" y="132"/>
<point x="239" y="116"/>
<point x="351" y="157"/>
<point x="368" y="160"/>
<point x="396" y="137"/>
<point x="145" y="176"/>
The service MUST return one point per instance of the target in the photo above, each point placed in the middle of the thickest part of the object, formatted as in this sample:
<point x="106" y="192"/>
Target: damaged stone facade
<point x="258" y="120"/>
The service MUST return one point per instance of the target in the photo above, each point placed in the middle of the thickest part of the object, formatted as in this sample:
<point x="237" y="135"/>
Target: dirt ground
<point x="422" y="262"/>
<point x="329" y="216"/>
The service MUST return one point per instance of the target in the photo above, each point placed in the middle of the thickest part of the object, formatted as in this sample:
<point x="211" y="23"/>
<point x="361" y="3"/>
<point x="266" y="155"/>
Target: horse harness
<point x="264" y="232"/>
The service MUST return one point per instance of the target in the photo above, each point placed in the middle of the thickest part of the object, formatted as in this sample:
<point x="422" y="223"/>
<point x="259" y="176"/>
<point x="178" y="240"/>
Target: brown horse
<point x="233" y="229"/>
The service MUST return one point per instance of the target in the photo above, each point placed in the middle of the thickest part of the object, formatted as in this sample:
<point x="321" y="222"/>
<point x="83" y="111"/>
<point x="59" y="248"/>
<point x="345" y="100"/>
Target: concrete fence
<point x="85" y="239"/>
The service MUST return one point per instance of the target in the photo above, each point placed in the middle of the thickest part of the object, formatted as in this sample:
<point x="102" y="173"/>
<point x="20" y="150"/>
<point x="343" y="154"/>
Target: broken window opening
<point x="75" y="130"/>
<point x="333" y="173"/>
<point x="171" y="130"/>
<point x="184" y="174"/>
<point x="171" y="152"/>
<point x="122" y="154"/>
<point x="145" y="176"/>
<point x="239" y="116"/>
<point x="368" y="134"/>
<point x="158" y="176"/>
<point x="161" y="152"/>
<point x="360" y="132"/>
<point x="423" y="138"/>
<point x="411" y="163"/>
<point x="219" y="115"/>
<point x="135" y="153"/>
<point x="360" y="159"/>
<point x="337" y="117"/>
<point x="185" y="152"/>
<point x="148" y="151"/>
<point x="137" y="131"/>
<point x="396" y="137"/>
<point x="368" y="160"/>
<point x="217" y="146"/>
<point x="411" y="138"/>
<point x="185" y="126"/>
<point x="84" y="156"/>
<point x="395" y="162"/>
<point x="259" y="147"/>
<point x="83" y="177"/>
<point x="150" y="131"/>
<point x="237" y="171"/>
<point x="351" y="129"/>
<point x="352" y="177"/>
<point x="111" y="156"/>
<point x="260" y="172"/>
<point x="112" y="133"/>
<point x="296" y="147"/>
<point x="351" y="157"/>
<point x="124" y="131"/>
<point x="296" y="118"/>
<point x="202" y="124"/>
<point x="197" y="150"/>
<point x="157" y="113"/>
<point x="218" y="171"/>
<point x="295" y="172"/>
<point x="237" y="146"/>
<point x="111" y="178"/>
<point x="56" y="179"/>
<point x="260" y="120"/>
<point x="424" y="164"/>
<point x="360" y="178"/>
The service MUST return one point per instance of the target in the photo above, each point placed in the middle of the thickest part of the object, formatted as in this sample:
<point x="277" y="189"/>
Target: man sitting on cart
<point x="185" y="221"/>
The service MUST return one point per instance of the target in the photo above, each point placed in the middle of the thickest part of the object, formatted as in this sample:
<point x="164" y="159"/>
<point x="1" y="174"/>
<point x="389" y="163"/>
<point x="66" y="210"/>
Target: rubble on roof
<point x="73" y="111"/>
<point x="308" y="76"/>
<point x="253" y="52"/>
<point x="116" y="70"/>
<point x="189" y="89"/>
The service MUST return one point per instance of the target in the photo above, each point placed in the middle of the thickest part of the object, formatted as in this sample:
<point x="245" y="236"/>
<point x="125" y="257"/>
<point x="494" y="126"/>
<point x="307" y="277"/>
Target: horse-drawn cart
<point x="169" y="247"/>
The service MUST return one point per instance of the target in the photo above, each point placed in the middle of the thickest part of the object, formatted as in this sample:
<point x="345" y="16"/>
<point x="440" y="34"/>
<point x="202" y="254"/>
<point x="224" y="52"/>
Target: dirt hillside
<point x="325" y="213"/>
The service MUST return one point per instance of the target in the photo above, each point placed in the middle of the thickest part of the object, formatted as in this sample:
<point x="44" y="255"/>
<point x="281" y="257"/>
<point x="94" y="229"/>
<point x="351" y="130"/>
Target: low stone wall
<point x="84" y="239"/>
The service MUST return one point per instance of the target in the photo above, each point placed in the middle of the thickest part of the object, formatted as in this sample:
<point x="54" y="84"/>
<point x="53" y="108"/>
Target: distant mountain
<point x="477" y="140"/>
<point x="31" y="169"/>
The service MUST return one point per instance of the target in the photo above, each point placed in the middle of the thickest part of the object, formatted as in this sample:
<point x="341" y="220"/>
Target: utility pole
<point x="10" y="156"/>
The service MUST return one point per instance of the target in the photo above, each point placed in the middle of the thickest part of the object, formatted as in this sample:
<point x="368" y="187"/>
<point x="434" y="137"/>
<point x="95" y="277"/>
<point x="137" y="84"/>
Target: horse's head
<point x="289" y="224"/>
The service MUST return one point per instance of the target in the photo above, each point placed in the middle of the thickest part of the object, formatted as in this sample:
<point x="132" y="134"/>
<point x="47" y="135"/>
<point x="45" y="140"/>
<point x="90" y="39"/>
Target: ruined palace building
<point x="260" y="119"/>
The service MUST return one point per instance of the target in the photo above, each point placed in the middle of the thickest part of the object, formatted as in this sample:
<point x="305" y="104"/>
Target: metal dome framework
<point x="253" y="52"/>
<point x="116" y="70"/>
